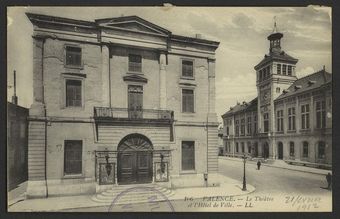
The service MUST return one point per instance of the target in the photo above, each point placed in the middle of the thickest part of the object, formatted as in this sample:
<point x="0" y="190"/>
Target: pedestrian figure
<point x="329" y="180"/>
<point x="258" y="164"/>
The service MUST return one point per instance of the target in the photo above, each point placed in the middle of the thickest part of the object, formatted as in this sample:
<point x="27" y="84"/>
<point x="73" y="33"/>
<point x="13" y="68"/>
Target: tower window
<point x="277" y="90"/>
<point x="289" y="70"/>
<point x="278" y="68"/>
<point x="284" y="69"/>
<point x="266" y="122"/>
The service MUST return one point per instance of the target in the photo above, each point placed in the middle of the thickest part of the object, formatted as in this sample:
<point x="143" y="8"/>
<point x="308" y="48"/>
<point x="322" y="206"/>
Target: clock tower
<point x="274" y="73"/>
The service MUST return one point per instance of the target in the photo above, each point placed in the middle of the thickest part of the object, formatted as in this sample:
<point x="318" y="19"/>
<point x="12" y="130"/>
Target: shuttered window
<point x="73" y="157"/>
<point x="187" y="101"/>
<point x="73" y="56"/>
<point x="73" y="93"/>
<point x="188" y="155"/>
<point x="135" y="63"/>
<point x="187" y="68"/>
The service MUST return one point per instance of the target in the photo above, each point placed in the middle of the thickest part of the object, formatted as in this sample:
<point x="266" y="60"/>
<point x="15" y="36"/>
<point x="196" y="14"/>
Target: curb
<point x="268" y="165"/>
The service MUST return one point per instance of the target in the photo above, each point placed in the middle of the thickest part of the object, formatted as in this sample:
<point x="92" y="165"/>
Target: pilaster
<point x="105" y="76"/>
<point x="162" y="81"/>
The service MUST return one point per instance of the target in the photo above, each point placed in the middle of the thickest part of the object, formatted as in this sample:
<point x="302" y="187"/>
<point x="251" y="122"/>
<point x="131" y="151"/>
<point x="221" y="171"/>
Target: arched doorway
<point x="265" y="150"/>
<point x="134" y="161"/>
<point x="280" y="150"/>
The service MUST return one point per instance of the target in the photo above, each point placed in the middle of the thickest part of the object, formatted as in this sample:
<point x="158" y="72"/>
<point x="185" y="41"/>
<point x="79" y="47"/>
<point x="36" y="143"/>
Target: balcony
<point x="135" y="115"/>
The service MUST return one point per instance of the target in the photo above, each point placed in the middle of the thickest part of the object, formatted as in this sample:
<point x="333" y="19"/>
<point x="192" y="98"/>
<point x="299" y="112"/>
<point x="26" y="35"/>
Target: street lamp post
<point x="244" y="173"/>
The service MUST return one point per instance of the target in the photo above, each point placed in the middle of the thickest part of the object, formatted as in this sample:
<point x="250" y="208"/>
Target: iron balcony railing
<point x="133" y="113"/>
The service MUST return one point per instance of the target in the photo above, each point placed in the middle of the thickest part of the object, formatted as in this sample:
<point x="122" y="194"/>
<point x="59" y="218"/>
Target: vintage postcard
<point x="177" y="109"/>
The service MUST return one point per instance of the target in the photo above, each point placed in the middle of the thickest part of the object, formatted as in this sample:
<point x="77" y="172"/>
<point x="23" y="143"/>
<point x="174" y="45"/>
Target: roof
<point x="127" y="23"/>
<point x="281" y="56"/>
<point x="244" y="107"/>
<point x="307" y="83"/>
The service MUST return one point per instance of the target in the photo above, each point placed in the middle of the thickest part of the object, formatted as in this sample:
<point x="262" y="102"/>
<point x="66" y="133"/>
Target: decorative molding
<point x="135" y="78"/>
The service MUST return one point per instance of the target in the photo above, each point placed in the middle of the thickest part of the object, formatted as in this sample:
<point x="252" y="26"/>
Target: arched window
<point x="321" y="150"/>
<point x="305" y="149"/>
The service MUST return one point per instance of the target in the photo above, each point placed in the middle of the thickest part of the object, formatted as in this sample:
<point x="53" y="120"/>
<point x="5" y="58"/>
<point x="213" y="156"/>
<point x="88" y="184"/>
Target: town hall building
<point x="290" y="119"/>
<point x="119" y="101"/>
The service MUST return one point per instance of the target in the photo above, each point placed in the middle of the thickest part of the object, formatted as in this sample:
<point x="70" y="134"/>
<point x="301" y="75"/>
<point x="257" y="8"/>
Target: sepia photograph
<point x="169" y="109"/>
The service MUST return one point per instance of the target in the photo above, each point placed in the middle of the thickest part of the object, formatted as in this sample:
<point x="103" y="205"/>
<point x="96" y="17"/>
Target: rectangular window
<point x="279" y="117"/>
<point x="289" y="70"/>
<point x="236" y="128"/>
<point x="278" y="69"/>
<point x="320" y="114"/>
<point x="249" y="125"/>
<point x="249" y="147"/>
<point x="188" y="155"/>
<point x="266" y="122"/>
<point x="242" y="127"/>
<point x="73" y="56"/>
<point x="187" y="68"/>
<point x="284" y="69"/>
<point x="135" y="63"/>
<point x="291" y="119"/>
<point x="237" y="147"/>
<point x="260" y="75"/>
<point x="242" y="146"/>
<point x="73" y="157"/>
<point x="305" y="116"/>
<point x="187" y="101"/>
<point x="291" y="149"/>
<point x="227" y="130"/>
<point x="73" y="93"/>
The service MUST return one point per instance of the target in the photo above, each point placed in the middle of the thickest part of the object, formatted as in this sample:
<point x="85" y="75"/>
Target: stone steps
<point x="128" y="194"/>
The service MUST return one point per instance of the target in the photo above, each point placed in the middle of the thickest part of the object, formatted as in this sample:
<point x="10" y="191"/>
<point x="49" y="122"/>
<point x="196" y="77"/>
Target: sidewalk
<point x="17" y="194"/>
<point x="283" y="165"/>
<point x="228" y="187"/>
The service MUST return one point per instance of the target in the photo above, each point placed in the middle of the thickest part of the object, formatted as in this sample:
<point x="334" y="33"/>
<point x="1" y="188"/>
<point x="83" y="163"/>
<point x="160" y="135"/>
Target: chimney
<point x="198" y="36"/>
<point x="14" y="97"/>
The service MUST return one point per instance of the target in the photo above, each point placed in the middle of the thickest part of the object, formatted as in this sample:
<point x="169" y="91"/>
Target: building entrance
<point x="134" y="164"/>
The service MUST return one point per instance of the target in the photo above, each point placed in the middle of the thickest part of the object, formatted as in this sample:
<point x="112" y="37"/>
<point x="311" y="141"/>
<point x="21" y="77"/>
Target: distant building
<point x="16" y="144"/>
<point x="290" y="119"/>
<point x="119" y="101"/>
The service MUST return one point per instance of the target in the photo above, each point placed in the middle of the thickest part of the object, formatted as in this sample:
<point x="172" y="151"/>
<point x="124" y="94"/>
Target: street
<point x="268" y="181"/>
<point x="275" y="180"/>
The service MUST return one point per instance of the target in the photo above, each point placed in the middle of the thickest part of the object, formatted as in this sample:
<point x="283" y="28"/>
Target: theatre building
<point x="290" y="119"/>
<point x="119" y="101"/>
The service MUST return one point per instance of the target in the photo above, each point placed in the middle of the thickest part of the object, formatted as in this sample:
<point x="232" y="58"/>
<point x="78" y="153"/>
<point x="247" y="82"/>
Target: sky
<point x="241" y="31"/>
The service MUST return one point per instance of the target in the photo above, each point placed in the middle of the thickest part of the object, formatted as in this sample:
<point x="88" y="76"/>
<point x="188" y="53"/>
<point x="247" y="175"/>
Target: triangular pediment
<point x="132" y="23"/>
<point x="135" y="78"/>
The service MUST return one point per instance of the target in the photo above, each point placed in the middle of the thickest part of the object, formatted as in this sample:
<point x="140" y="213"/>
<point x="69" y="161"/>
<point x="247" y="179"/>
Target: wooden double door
<point x="134" y="167"/>
<point x="134" y="164"/>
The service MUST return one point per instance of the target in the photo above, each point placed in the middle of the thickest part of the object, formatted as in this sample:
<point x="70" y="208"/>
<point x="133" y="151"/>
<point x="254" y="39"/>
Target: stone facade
<point x="102" y="119"/>
<point x="290" y="119"/>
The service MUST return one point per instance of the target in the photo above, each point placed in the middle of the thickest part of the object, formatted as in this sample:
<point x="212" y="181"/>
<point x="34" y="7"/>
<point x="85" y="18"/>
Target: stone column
<point x="37" y="108"/>
<point x="106" y="76"/>
<point x="162" y="81"/>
